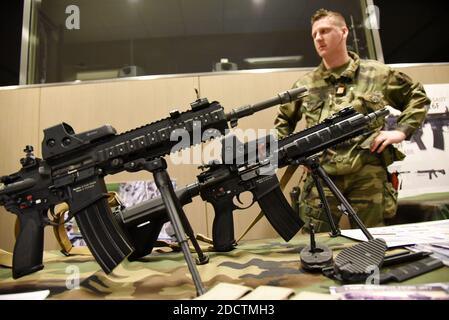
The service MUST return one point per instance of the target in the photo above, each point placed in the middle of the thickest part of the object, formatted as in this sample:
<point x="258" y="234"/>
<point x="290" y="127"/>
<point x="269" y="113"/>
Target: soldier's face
<point x="328" y="37"/>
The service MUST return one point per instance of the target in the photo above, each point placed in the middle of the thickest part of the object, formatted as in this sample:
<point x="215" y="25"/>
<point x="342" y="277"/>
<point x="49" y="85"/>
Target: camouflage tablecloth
<point x="164" y="273"/>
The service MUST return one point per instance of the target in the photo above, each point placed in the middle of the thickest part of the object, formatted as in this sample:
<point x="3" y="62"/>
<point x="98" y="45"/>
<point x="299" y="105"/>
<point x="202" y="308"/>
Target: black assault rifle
<point x="221" y="182"/>
<point x="432" y="172"/>
<point x="436" y="120"/>
<point x="73" y="168"/>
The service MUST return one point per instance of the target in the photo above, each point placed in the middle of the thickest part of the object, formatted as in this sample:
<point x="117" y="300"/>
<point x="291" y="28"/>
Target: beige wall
<point x="19" y="114"/>
<point x="127" y="104"/>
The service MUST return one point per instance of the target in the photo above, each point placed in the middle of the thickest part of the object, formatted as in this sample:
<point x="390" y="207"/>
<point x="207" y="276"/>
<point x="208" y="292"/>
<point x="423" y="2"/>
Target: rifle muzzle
<point x="382" y="113"/>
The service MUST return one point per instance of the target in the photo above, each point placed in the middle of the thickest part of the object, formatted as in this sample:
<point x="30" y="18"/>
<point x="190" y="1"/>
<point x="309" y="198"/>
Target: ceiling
<point x="109" y="20"/>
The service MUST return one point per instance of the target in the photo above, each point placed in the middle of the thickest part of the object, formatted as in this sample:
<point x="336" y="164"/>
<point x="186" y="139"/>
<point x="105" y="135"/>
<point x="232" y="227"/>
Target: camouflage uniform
<point x="362" y="176"/>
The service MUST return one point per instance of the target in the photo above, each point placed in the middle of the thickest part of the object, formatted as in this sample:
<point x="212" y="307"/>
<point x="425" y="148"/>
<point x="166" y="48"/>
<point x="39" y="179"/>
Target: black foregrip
<point x="29" y="246"/>
<point x="103" y="236"/>
<point x="276" y="208"/>
<point x="223" y="226"/>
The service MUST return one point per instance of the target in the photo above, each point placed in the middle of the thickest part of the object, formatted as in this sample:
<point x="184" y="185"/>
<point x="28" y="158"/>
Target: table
<point x="164" y="273"/>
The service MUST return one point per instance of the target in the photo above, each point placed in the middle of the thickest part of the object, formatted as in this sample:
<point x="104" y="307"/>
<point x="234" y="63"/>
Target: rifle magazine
<point x="105" y="239"/>
<point x="280" y="214"/>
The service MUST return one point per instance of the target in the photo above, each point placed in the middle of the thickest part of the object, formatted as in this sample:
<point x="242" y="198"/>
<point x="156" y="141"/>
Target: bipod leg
<point x="347" y="208"/>
<point x="335" y="231"/>
<point x="202" y="258"/>
<point x="174" y="209"/>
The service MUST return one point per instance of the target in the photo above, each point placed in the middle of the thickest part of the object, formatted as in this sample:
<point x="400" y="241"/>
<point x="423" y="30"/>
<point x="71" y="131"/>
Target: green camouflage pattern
<point x="372" y="197"/>
<point x="367" y="86"/>
<point x="163" y="275"/>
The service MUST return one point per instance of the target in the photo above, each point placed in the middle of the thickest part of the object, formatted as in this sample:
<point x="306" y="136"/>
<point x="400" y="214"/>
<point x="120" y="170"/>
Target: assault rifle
<point x="221" y="182"/>
<point x="432" y="172"/>
<point x="436" y="120"/>
<point x="73" y="167"/>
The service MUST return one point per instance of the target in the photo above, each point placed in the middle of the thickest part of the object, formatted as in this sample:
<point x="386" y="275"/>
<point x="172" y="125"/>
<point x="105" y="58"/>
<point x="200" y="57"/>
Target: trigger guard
<point x="238" y="198"/>
<point x="243" y="208"/>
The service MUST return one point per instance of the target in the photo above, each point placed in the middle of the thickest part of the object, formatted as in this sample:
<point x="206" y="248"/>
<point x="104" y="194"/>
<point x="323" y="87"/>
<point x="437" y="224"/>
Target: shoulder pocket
<point x="312" y="103"/>
<point x="373" y="101"/>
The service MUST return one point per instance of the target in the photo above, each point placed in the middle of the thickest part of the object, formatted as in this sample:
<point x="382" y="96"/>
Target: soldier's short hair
<point x="323" y="13"/>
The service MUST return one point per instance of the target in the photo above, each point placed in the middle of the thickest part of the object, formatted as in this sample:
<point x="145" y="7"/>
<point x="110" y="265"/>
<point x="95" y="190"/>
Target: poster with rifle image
<point x="424" y="173"/>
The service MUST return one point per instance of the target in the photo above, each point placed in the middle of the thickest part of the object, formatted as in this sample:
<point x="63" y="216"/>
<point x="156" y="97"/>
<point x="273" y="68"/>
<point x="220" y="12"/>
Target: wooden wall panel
<point x="19" y="114"/>
<point x="429" y="74"/>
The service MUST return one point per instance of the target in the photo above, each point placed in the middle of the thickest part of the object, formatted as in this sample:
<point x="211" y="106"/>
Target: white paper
<point x="405" y="234"/>
<point x="439" y="251"/>
<point x="34" y="295"/>
<point x="438" y="291"/>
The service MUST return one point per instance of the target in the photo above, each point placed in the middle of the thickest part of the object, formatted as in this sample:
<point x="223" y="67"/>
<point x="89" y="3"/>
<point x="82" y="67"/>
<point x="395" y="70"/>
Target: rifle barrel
<point x="281" y="98"/>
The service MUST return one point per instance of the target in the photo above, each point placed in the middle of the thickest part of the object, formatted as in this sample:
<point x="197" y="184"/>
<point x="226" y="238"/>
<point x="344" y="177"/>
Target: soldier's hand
<point x="386" y="138"/>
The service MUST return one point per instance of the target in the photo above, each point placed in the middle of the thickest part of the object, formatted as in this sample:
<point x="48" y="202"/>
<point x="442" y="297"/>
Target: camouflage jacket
<point x="367" y="85"/>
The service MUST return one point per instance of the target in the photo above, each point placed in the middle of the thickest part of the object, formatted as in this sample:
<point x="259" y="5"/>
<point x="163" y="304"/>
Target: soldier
<point x="359" y="166"/>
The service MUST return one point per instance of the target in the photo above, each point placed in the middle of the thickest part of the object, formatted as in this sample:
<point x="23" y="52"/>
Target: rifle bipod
<point x="351" y="264"/>
<point x="318" y="172"/>
<point x="178" y="219"/>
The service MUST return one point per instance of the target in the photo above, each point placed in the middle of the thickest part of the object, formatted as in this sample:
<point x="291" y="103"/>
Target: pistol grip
<point x="29" y="246"/>
<point x="223" y="226"/>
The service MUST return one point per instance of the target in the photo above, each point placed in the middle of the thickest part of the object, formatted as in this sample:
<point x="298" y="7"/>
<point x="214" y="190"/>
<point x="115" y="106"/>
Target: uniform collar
<point x="348" y="73"/>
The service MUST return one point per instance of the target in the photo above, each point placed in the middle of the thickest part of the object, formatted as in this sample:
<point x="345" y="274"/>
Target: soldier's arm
<point x="287" y="117"/>
<point x="408" y="96"/>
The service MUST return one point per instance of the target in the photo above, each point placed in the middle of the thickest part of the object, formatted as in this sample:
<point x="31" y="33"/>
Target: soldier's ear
<point x="345" y="32"/>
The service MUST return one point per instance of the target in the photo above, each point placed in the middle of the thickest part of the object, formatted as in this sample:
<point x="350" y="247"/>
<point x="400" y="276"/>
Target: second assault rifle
<point x="432" y="172"/>
<point x="221" y="182"/>
<point x="73" y="167"/>
<point x="436" y="120"/>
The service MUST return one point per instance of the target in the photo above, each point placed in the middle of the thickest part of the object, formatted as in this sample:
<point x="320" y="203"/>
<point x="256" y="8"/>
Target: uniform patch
<point x="341" y="90"/>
